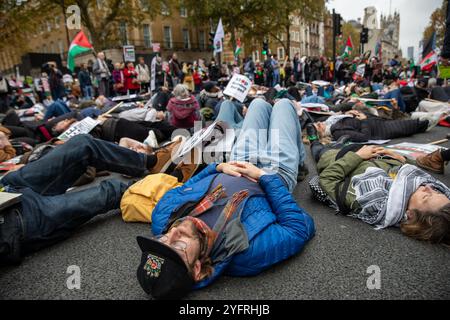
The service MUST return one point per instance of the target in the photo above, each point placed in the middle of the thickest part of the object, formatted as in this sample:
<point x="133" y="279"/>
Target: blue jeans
<point x="271" y="138"/>
<point x="229" y="113"/>
<point x="56" y="109"/>
<point x="87" y="92"/>
<point x="48" y="212"/>
<point x="394" y="94"/>
<point x="313" y="99"/>
<point x="276" y="79"/>
<point x="320" y="92"/>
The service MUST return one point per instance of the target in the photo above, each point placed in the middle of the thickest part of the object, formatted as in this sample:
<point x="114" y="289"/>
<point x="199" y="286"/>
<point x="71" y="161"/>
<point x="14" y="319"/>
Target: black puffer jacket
<point x="376" y="129"/>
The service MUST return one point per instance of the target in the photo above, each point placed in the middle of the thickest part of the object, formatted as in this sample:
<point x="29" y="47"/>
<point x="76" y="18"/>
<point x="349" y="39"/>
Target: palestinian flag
<point x="429" y="61"/>
<point x="348" y="48"/>
<point x="238" y="48"/>
<point x="79" y="45"/>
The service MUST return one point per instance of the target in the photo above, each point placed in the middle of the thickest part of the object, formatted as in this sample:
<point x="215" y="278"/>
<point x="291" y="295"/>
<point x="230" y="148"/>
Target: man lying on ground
<point x="233" y="218"/>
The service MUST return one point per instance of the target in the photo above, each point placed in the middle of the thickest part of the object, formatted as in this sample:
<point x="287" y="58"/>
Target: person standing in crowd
<point x="288" y="74"/>
<point x="214" y="71"/>
<point x="5" y="91"/>
<point x="159" y="73"/>
<point x="85" y="82"/>
<point x="131" y="82"/>
<point x="102" y="73"/>
<point x="297" y="67"/>
<point x="64" y="69"/>
<point x="119" y="79"/>
<point x="143" y="74"/>
<point x="176" y="71"/>
<point x="249" y="68"/>
<point x="259" y="74"/>
<point x="276" y="70"/>
<point x="55" y="82"/>
<point x="268" y="71"/>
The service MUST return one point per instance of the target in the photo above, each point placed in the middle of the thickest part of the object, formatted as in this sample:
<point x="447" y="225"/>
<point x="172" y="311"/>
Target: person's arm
<point x="291" y="229"/>
<point x="338" y="170"/>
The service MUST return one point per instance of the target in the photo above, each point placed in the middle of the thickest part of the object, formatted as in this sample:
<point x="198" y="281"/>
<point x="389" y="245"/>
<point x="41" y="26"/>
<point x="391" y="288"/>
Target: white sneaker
<point x="151" y="140"/>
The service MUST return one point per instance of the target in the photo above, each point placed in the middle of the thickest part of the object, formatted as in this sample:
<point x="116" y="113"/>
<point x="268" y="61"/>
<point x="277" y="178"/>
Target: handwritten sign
<point x="238" y="87"/>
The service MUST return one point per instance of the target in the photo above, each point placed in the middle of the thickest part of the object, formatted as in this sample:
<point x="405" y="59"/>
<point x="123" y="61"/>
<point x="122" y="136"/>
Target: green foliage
<point x="99" y="17"/>
<point x="254" y="20"/>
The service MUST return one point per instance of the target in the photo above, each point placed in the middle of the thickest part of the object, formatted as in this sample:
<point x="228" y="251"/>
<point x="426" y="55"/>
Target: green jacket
<point x="332" y="172"/>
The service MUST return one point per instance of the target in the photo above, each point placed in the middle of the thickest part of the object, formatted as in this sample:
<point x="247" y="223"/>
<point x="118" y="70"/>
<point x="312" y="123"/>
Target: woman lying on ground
<point x="377" y="186"/>
<point x="360" y="127"/>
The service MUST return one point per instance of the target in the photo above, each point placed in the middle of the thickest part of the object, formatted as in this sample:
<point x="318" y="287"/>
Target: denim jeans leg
<point x="252" y="140"/>
<point x="48" y="218"/>
<point x="229" y="114"/>
<point x="58" y="170"/>
<point x="285" y="146"/>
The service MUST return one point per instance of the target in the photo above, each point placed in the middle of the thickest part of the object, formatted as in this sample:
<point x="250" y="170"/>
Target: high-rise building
<point x="411" y="53"/>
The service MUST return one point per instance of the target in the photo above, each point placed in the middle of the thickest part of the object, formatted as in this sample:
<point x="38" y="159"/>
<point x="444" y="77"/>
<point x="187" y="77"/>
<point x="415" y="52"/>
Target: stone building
<point x="171" y="30"/>
<point x="385" y="31"/>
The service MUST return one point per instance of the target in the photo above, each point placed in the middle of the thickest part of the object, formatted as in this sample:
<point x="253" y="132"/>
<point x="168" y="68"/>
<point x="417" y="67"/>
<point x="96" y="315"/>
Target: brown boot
<point x="432" y="162"/>
<point x="164" y="156"/>
<point x="189" y="165"/>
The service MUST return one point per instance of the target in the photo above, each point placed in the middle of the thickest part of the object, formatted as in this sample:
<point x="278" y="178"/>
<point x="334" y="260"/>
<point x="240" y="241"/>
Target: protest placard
<point x="238" y="87"/>
<point x="414" y="150"/>
<point x="82" y="127"/>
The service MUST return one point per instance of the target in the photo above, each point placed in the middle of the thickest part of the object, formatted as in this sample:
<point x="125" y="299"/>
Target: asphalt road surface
<point x="333" y="265"/>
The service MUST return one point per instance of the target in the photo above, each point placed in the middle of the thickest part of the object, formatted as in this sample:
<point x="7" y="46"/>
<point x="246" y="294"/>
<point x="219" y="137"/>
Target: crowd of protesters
<point x="238" y="217"/>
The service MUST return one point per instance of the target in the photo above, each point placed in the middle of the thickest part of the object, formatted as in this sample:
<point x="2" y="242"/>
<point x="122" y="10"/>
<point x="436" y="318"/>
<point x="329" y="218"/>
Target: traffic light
<point x="337" y="24"/>
<point x="364" y="38"/>
<point x="211" y="40"/>
<point x="265" y="47"/>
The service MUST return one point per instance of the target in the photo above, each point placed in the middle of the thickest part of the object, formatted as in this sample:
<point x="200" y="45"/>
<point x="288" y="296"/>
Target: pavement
<point x="333" y="265"/>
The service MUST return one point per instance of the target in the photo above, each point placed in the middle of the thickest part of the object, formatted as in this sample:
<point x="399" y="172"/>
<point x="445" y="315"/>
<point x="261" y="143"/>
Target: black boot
<point x="10" y="237"/>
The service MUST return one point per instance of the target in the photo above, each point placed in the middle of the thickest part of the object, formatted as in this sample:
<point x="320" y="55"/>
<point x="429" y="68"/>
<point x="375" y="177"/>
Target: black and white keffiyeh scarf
<point x="384" y="198"/>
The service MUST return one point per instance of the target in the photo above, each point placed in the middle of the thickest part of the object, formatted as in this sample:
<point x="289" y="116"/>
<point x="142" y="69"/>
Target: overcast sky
<point x="414" y="15"/>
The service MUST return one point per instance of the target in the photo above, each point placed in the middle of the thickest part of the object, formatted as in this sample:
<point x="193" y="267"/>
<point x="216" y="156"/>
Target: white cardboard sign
<point x="238" y="87"/>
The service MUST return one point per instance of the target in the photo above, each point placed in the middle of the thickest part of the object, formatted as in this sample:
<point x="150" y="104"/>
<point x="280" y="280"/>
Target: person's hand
<point x="394" y="104"/>
<point x="249" y="170"/>
<point x="369" y="152"/>
<point x="393" y="155"/>
<point x="229" y="169"/>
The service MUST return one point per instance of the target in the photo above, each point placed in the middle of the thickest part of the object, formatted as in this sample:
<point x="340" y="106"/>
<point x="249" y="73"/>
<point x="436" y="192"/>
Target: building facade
<point x="170" y="29"/>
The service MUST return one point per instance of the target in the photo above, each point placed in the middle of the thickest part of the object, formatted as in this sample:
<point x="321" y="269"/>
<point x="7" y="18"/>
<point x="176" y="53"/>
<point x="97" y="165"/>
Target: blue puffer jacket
<point x="276" y="227"/>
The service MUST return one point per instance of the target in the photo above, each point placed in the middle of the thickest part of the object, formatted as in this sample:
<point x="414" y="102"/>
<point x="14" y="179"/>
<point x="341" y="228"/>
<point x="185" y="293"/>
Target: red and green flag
<point x="348" y="48"/>
<point x="429" y="61"/>
<point x="238" y="48"/>
<point x="79" y="45"/>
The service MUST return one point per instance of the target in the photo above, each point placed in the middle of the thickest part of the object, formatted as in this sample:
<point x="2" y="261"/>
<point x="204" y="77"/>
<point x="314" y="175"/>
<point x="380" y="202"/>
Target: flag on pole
<point x="348" y="47"/>
<point x="430" y="45"/>
<point x="218" y="38"/>
<point x="429" y="61"/>
<point x="238" y="48"/>
<point x="79" y="45"/>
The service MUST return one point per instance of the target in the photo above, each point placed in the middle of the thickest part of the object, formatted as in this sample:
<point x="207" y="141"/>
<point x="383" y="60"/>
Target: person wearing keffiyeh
<point x="376" y="186"/>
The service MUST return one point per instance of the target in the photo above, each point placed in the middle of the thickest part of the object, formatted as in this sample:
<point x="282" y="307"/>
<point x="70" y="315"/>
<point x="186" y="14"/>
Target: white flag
<point x="220" y="34"/>
<point x="153" y="74"/>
